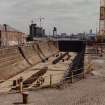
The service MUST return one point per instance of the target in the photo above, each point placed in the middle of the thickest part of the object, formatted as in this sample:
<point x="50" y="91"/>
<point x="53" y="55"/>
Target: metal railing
<point x="58" y="79"/>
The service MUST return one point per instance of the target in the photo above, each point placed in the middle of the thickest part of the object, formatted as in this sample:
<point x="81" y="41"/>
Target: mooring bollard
<point x="21" y="87"/>
<point x="25" y="97"/>
<point x="83" y="74"/>
<point x="72" y="77"/>
<point x="21" y="84"/>
<point x="14" y="82"/>
<point x="50" y="80"/>
<point x="63" y="60"/>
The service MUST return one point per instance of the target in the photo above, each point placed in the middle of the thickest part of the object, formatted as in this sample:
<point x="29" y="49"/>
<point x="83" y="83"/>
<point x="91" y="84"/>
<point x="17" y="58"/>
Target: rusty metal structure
<point x="101" y="33"/>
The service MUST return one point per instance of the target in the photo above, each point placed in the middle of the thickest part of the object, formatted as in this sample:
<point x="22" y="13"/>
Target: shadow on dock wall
<point x="77" y="66"/>
<point x="71" y="46"/>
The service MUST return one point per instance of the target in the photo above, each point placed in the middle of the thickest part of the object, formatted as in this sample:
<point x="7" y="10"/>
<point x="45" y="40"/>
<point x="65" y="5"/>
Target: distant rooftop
<point x="91" y="34"/>
<point x="8" y="28"/>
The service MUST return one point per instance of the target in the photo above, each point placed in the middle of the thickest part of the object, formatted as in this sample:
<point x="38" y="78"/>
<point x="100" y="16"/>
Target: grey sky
<point x="67" y="15"/>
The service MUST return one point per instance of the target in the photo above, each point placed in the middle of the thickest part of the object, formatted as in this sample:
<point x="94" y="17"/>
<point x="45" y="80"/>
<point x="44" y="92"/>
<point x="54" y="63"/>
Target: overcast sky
<point x="68" y="15"/>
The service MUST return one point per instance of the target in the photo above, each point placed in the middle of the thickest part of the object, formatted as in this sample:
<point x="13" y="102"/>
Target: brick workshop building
<point x="9" y="36"/>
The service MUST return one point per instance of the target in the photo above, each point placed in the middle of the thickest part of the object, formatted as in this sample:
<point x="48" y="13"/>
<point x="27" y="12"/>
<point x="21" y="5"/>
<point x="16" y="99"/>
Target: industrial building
<point x="9" y="36"/>
<point x="36" y="31"/>
<point x="90" y="36"/>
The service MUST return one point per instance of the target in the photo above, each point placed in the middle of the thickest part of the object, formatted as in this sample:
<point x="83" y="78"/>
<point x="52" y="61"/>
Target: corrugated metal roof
<point x="8" y="27"/>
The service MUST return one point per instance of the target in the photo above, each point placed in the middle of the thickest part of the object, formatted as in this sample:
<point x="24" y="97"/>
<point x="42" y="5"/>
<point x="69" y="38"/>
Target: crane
<point x="40" y="20"/>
